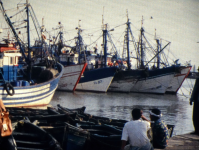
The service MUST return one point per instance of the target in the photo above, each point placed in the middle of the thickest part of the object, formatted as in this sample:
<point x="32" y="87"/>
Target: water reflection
<point x="175" y="109"/>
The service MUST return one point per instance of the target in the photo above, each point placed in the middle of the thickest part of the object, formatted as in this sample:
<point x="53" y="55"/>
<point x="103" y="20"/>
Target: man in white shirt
<point x="136" y="132"/>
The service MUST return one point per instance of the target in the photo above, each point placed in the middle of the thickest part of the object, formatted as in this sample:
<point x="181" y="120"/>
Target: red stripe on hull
<point x="80" y="76"/>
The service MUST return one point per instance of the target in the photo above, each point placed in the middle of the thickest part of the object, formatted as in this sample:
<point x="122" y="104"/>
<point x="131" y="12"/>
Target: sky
<point x="174" y="20"/>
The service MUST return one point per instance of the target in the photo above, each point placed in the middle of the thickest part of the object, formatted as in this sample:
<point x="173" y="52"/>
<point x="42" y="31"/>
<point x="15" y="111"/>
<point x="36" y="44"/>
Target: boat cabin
<point x="9" y="56"/>
<point x="67" y="58"/>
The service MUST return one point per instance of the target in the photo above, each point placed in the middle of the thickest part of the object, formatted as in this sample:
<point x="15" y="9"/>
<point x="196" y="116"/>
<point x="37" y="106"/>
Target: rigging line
<point x="92" y="32"/>
<point x="12" y="9"/>
<point x="119" y="25"/>
<point x="149" y="44"/>
<point x="95" y="41"/>
<point x="19" y="24"/>
<point x="119" y="39"/>
<point x="34" y="19"/>
<point x="17" y="13"/>
<point x="113" y="45"/>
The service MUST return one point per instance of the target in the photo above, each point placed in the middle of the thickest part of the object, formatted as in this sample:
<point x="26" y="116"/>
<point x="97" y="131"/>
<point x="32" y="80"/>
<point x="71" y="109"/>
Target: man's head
<point x="155" y="114"/>
<point x="136" y="113"/>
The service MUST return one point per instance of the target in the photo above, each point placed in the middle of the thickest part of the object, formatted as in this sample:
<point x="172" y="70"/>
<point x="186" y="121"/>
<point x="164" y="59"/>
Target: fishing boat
<point x="144" y="79"/>
<point x="73" y="69"/>
<point x="178" y="79"/>
<point x="23" y="82"/>
<point x="94" y="78"/>
<point x="27" y="135"/>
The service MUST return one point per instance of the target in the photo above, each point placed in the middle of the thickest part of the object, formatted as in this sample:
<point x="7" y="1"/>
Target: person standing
<point x="159" y="129"/>
<point x="135" y="132"/>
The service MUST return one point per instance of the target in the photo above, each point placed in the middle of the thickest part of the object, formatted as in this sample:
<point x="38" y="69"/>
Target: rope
<point x="95" y="40"/>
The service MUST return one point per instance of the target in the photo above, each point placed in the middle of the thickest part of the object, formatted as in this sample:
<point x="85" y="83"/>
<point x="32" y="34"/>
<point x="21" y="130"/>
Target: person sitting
<point x="136" y="132"/>
<point x="159" y="129"/>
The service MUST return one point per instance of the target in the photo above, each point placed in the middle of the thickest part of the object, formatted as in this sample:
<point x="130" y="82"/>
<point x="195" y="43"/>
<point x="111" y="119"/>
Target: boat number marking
<point x="98" y="82"/>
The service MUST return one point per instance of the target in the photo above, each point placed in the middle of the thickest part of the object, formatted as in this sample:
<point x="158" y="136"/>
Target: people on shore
<point x="159" y="129"/>
<point x="135" y="132"/>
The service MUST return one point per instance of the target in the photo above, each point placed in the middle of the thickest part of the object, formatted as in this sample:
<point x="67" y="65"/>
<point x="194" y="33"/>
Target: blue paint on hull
<point x="96" y="74"/>
<point x="17" y="100"/>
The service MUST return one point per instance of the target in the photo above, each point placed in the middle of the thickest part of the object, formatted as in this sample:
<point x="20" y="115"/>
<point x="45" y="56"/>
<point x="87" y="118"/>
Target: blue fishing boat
<point x="22" y="82"/>
<point x="95" y="78"/>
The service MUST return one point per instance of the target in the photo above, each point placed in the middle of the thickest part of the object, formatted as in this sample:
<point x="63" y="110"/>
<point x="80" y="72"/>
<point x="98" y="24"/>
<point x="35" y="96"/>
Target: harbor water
<point x="176" y="21"/>
<point x="176" y="109"/>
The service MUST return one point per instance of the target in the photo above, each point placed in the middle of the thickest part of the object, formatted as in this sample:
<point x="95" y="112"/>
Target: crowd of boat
<point x="63" y="128"/>
<point x="30" y="74"/>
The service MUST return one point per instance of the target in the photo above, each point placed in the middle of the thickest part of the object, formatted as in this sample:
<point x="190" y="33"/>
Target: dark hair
<point x="157" y="112"/>
<point x="136" y="113"/>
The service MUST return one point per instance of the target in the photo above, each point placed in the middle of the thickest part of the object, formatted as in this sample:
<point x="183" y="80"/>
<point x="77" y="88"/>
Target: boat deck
<point x="187" y="141"/>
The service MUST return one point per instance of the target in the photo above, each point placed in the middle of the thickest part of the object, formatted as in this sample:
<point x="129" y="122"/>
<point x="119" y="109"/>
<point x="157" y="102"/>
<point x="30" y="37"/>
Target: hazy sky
<point x="174" y="20"/>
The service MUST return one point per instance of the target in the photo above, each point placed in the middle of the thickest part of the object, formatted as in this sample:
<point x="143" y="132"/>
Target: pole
<point x="127" y="43"/>
<point x="105" y="45"/>
<point x="28" y="36"/>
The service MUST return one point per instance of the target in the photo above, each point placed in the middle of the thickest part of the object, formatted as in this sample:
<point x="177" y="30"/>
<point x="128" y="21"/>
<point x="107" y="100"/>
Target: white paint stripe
<point x="29" y="99"/>
<point x="30" y="93"/>
<point x="29" y="89"/>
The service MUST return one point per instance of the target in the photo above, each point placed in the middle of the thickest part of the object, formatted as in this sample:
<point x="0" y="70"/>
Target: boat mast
<point x="158" y="50"/>
<point x="19" y="41"/>
<point x="28" y="38"/>
<point x="127" y="42"/>
<point x="79" y="42"/>
<point x="158" y="56"/>
<point x="142" y="52"/>
<point x="105" y="43"/>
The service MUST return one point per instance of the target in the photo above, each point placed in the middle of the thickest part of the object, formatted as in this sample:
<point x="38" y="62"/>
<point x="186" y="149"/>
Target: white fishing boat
<point x="178" y="79"/>
<point x="143" y="79"/>
<point x="23" y="83"/>
<point x="73" y="69"/>
<point x="72" y="72"/>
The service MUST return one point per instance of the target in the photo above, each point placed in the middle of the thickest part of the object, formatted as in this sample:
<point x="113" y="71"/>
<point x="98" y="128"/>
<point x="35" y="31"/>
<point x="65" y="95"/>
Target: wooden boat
<point x="75" y="129"/>
<point x="22" y="83"/>
<point x="29" y="136"/>
<point x="50" y="115"/>
<point x="69" y="136"/>
<point x="77" y="110"/>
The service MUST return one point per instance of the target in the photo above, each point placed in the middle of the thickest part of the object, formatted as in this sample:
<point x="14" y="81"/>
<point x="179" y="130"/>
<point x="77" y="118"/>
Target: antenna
<point x="79" y="24"/>
<point x="103" y="19"/>
<point x="155" y="34"/>
<point x="127" y="15"/>
<point x="142" y="21"/>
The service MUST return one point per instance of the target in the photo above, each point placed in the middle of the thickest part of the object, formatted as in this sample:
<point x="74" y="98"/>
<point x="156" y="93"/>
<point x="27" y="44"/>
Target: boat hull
<point x="71" y="77"/>
<point x="178" y="79"/>
<point x="97" y="80"/>
<point x="33" y="95"/>
<point x="143" y="81"/>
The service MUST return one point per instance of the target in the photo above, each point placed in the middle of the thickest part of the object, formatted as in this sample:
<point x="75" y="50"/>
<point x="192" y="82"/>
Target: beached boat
<point x="23" y="83"/>
<point x="29" y="136"/>
<point x="81" y="131"/>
